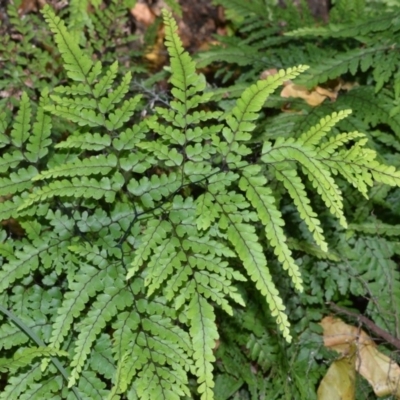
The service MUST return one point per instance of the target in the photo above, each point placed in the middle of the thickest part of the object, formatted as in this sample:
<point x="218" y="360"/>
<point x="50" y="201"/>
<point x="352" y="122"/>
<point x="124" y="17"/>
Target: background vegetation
<point x="103" y="167"/>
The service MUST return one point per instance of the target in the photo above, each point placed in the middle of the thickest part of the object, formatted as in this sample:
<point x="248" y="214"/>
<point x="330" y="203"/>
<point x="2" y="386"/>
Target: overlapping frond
<point x="138" y="232"/>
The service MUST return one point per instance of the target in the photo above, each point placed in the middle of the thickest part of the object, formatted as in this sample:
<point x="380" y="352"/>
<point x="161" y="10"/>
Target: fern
<point x="140" y="241"/>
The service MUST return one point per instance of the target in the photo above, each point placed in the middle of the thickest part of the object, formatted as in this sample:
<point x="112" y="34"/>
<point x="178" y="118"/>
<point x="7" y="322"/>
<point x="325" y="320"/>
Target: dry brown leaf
<point x="382" y="373"/>
<point x="143" y="14"/>
<point x="268" y="72"/>
<point x="339" y="381"/>
<point x="315" y="96"/>
<point x="312" y="97"/>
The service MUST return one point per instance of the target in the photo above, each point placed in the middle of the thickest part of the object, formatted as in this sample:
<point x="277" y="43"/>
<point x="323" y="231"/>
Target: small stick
<point x="369" y="324"/>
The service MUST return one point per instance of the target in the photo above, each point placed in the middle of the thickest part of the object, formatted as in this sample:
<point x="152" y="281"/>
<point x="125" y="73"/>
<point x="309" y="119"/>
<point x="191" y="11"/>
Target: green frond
<point x="99" y="164"/>
<point x="18" y="384"/>
<point x="317" y="132"/>
<point x="207" y="211"/>
<point x="122" y="114"/>
<point x="240" y="119"/>
<point x="4" y="121"/>
<point x="120" y="379"/>
<point x="244" y="240"/>
<point x="86" y="141"/>
<point x="154" y="234"/>
<point x="9" y="208"/>
<point x="241" y="55"/>
<point x="204" y="334"/>
<point x="88" y="188"/>
<point x="244" y="9"/>
<point x="263" y="201"/>
<point x="81" y="116"/>
<point x="319" y="176"/>
<point x="24" y="357"/>
<point x="377" y="227"/>
<point x="328" y="148"/>
<point x="25" y="264"/>
<point x="312" y="249"/>
<point x="108" y="103"/>
<point x="76" y="63"/>
<point x="103" y="309"/>
<point x="129" y="138"/>
<point x="165" y="259"/>
<point x="39" y="139"/>
<point x="17" y="181"/>
<point x="169" y="155"/>
<point x="79" y="89"/>
<point x="10" y="160"/>
<point x="342" y="63"/>
<point x="297" y="192"/>
<point x="361" y="27"/>
<point x="154" y="352"/>
<point x="154" y="189"/>
<point x="182" y="67"/>
<point x="175" y="7"/>
<point x="136" y="224"/>
<point x="81" y="289"/>
<point x="92" y="386"/>
<point x="105" y="83"/>
<point x="216" y="288"/>
<point x="22" y="121"/>
<point x="372" y="108"/>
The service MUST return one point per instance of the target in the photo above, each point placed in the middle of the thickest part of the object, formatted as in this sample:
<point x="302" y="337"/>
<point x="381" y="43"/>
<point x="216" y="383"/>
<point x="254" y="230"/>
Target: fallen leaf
<point x="382" y="373"/>
<point x="339" y="381"/>
<point x="143" y="14"/>
<point x="312" y="97"/>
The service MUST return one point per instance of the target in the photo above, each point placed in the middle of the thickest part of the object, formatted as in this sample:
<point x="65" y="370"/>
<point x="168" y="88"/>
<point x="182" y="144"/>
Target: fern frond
<point x="129" y="138"/>
<point x="319" y="176"/>
<point x="122" y="114"/>
<point x="350" y="61"/>
<point x="204" y="334"/>
<point x="92" y="386"/>
<point x="18" y="384"/>
<point x="10" y="160"/>
<point x="155" y="189"/>
<point x="104" y="84"/>
<point x="108" y="103"/>
<point x="362" y="27"/>
<point x="154" y="351"/>
<point x="263" y="201"/>
<point x="18" y="181"/>
<point x="99" y="164"/>
<point x="82" y="116"/>
<point x="377" y="227"/>
<point x="88" y="188"/>
<point x="104" y="308"/>
<point x="76" y="63"/>
<point x="26" y="263"/>
<point x="297" y="192"/>
<point x="317" y="132"/>
<point x="82" y="288"/>
<point x="86" y="141"/>
<point x="153" y="235"/>
<point x="21" y="127"/>
<point x="240" y="119"/>
<point x="182" y="66"/>
<point x="24" y="357"/>
<point x="39" y="140"/>
<point x="244" y="240"/>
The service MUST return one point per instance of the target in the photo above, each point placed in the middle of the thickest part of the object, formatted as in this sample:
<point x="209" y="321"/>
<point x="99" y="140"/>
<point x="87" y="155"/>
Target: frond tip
<point x="76" y="63"/>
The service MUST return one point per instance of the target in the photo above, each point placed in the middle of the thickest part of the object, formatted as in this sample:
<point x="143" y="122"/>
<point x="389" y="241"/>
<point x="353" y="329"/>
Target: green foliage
<point x="357" y="47"/>
<point x="143" y="255"/>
